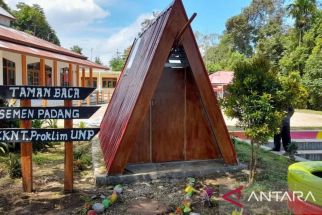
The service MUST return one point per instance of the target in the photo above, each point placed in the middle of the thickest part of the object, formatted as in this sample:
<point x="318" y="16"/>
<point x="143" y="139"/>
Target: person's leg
<point x="286" y="138"/>
<point x="277" y="142"/>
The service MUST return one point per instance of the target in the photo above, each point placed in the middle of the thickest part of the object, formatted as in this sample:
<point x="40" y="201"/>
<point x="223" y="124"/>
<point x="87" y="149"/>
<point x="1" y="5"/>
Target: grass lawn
<point x="49" y="157"/>
<point x="272" y="168"/>
<point x="271" y="176"/>
<point x="308" y="111"/>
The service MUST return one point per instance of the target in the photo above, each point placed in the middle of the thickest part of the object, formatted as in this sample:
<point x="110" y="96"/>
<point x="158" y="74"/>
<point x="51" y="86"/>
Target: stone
<point x="98" y="208"/>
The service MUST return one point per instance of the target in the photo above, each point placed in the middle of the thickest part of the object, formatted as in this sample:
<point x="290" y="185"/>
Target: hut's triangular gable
<point x="130" y="104"/>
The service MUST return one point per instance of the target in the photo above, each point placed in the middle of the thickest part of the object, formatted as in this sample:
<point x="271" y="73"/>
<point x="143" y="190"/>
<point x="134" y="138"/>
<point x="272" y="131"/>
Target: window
<point x="34" y="74"/>
<point x="88" y="83"/>
<point x="95" y="82"/>
<point x="9" y="72"/>
<point x="108" y="82"/>
<point x="64" y="77"/>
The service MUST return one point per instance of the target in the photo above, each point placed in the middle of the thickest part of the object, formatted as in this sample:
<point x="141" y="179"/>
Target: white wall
<point x="60" y="65"/>
<point x="30" y="59"/>
<point x="17" y="59"/>
<point x="4" y="21"/>
<point x="99" y="73"/>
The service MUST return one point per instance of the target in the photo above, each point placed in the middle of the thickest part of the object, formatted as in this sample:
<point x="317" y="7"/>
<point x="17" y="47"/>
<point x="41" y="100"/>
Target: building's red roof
<point x="12" y="47"/>
<point x="221" y="77"/>
<point x="21" y="42"/>
<point x="19" y="37"/>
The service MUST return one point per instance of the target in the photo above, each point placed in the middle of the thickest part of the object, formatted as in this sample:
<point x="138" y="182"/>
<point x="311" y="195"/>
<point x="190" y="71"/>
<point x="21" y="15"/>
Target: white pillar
<point x="99" y="81"/>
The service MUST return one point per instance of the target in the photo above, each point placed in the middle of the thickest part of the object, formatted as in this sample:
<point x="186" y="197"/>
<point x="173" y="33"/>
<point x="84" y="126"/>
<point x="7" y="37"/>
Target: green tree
<point x="221" y="56"/>
<point x="77" y="49"/>
<point x="98" y="61"/>
<point x="313" y="77"/>
<point x="239" y="29"/>
<point x="294" y="92"/>
<point x="254" y="99"/>
<point x="5" y="6"/>
<point x="270" y="42"/>
<point x="117" y="63"/>
<point x="258" y="29"/>
<point x="32" y="19"/>
<point x="303" y="11"/>
<point x="244" y="29"/>
<point x="205" y="41"/>
<point x="294" y="56"/>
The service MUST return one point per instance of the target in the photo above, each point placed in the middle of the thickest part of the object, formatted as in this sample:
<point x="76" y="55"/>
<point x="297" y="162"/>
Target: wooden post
<point x="77" y="81"/>
<point x="55" y="68"/>
<point x="91" y="80"/>
<point x="25" y="148"/>
<point x="83" y="80"/>
<point x="68" y="169"/>
<point x="42" y="78"/>
<point x="83" y="77"/>
<point x="90" y="84"/>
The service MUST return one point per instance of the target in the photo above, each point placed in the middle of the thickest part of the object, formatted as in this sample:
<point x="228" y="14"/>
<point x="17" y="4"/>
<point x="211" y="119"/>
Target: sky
<point x="103" y="27"/>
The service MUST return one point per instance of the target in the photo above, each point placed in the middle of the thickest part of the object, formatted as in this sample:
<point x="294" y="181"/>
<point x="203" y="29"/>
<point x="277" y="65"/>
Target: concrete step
<point x="312" y="157"/>
<point x="303" y="144"/>
<point x="309" y="151"/>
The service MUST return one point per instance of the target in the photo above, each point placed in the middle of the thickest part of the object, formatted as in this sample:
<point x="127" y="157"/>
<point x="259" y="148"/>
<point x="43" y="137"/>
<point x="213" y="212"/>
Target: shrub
<point x="14" y="166"/>
<point x="3" y="148"/>
<point x="82" y="156"/>
<point x="39" y="145"/>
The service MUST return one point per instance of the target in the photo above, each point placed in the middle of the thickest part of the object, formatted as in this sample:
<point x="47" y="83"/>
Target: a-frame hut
<point x="164" y="108"/>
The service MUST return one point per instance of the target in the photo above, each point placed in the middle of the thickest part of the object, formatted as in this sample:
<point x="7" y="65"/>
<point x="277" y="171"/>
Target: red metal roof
<point x="138" y="82"/>
<point x="12" y="47"/>
<point x="221" y="77"/>
<point x="128" y="89"/>
<point x="19" y="37"/>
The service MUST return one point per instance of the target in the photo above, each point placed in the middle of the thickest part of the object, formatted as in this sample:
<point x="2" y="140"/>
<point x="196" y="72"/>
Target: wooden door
<point x="167" y="115"/>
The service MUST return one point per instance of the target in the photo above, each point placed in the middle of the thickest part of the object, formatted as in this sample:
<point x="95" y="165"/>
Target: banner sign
<point x="49" y="93"/>
<point x="47" y="135"/>
<point x="26" y="113"/>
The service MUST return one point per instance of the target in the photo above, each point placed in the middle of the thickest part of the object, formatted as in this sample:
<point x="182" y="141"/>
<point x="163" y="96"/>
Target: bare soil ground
<point x="157" y="197"/>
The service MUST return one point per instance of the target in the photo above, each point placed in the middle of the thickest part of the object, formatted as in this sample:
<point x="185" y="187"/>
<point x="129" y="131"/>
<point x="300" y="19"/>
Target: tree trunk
<point x="253" y="161"/>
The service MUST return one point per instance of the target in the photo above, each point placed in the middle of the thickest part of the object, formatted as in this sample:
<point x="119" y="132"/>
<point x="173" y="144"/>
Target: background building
<point x="47" y="64"/>
<point x="220" y="80"/>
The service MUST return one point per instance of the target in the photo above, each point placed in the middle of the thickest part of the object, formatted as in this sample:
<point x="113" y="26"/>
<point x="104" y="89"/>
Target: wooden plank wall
<point x="176" y="127"/>
<point x="168" y="116"/>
